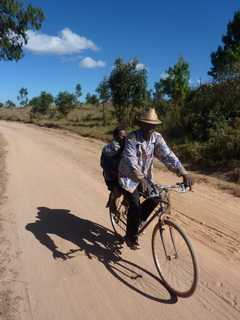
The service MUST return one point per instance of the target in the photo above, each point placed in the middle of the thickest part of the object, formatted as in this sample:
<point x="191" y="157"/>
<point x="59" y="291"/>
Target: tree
<point x="158" y="99"/>
<point x="23" y="96"/>
<point x="78" y="91"/>
<point x="128" y="85"/>
<point x="87" y="98"/>
<point x="175" y="85"/>
<point x="91" y="99"/>
<point x="104" y="95"/>
<point x="65" y="102"/>
<point x="10" y="104"/>
<point x="149" y="96"/>
<point x="226" y="60"/>
<point x="170" y="94"/>
<point x="1" y="105"/>
<point x="14" y="22"/>
<point x="41" y="104"/>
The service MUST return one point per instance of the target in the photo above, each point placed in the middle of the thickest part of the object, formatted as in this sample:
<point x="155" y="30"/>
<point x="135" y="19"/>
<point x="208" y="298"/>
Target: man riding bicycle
<point x="135" y="171"/>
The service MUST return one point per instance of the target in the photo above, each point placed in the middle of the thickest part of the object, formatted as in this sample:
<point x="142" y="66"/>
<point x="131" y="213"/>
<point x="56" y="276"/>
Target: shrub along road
<point x="55" y="204"/>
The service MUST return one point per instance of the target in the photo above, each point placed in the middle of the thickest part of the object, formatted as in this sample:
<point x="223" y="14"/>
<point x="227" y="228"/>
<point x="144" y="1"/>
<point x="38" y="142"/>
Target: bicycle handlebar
<point x="178" y="187"/>
<point x="157" y="189"/>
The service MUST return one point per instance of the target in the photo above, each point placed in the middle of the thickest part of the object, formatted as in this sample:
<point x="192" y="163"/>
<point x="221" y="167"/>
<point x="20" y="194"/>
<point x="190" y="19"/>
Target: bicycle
<point x="172" y="251"/>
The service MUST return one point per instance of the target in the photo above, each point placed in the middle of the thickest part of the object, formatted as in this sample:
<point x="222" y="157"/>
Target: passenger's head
<point x="119" y="134"/>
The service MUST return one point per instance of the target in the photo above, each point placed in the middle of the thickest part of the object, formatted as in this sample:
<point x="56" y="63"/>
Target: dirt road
<point x="55" y="203"/>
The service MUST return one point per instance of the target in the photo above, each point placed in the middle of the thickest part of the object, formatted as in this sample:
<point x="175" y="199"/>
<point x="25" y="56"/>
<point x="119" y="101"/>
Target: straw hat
<point x="150" y="116"/>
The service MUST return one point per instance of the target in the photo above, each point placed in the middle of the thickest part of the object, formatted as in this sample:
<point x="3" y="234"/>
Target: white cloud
<point x="164" y="75"/>
<point x="90" y="63"/>
<point x="140" y="66"/>
<point x="67" y="42"/>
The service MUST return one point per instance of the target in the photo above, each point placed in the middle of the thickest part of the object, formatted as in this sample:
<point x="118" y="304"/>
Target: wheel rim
<point x="175" y="260"/>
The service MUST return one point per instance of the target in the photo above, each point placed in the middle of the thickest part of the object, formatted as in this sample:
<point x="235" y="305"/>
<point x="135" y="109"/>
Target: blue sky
<point x="80" y="40"/>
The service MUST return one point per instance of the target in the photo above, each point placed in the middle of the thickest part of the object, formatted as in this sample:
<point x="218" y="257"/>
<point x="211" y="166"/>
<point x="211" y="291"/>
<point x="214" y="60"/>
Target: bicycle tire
<point x="119" y="217"/>
<point x="160" y="236"/>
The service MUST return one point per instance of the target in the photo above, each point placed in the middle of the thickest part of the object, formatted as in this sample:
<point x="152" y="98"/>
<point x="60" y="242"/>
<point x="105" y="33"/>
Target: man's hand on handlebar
<point x="188" y="180"/>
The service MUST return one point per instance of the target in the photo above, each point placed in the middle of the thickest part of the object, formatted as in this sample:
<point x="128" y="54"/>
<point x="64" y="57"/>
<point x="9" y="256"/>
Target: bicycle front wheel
<point x="174" y="259"/>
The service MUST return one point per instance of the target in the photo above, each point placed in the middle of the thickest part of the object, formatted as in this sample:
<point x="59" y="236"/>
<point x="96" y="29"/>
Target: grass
<point x="85" y="120"/>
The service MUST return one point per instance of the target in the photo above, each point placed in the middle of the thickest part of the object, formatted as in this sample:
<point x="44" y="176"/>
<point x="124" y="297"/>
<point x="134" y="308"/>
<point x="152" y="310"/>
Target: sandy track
<point x="56" y="198"/>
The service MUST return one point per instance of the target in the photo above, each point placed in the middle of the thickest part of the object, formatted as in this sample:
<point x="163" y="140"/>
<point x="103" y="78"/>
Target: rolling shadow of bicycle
<point x="96" y="242"/>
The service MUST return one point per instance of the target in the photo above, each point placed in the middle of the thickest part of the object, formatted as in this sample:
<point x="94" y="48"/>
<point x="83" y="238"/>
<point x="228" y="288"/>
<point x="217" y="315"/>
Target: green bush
<point x="211" y="106"/>
<point x="222" y="148"/>
<point x="189" y="152"/>
<point x="65" y="102"/>
<point x="42" y="103"/>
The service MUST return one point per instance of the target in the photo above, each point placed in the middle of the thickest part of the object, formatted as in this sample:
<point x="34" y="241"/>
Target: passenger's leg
<point x="115" y="192"/>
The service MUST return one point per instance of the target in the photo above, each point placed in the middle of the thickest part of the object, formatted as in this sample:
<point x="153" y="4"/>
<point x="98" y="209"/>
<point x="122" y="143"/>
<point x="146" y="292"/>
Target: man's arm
<point x="163" y="153"/>
<point x="171" y="161"/>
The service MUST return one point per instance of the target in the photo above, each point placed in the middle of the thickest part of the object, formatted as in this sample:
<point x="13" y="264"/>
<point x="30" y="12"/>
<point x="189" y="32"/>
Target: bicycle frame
<point x="159" y="213"/>
<point x="162" y="212"/>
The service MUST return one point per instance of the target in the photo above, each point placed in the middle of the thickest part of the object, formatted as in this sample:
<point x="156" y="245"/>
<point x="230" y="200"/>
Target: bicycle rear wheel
<point x="174" y="259"/>
<point x="118" y="217"/>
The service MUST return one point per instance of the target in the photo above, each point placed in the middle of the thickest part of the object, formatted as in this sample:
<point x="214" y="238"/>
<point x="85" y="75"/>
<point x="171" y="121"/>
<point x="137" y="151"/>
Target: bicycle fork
<point x="169" y="256"/>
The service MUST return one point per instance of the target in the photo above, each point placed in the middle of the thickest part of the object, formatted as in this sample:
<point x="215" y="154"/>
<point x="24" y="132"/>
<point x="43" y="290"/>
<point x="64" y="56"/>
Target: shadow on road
<point x="99" y="243"/>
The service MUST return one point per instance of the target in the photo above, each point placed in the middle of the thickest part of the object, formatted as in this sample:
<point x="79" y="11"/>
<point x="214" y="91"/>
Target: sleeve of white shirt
<point x="163" y="153"/>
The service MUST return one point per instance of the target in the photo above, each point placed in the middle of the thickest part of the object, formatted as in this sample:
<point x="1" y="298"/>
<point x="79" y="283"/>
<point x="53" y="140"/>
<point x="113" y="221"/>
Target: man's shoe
<point x="132" y="243"/>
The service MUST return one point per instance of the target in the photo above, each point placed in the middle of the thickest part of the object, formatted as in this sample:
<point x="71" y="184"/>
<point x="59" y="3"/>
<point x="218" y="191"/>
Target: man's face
<point x="148" y="128"/>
